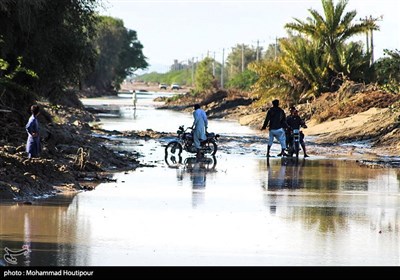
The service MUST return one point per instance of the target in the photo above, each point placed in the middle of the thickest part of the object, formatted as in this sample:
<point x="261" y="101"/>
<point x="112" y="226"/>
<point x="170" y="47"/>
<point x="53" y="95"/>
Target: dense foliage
<point x="47" y="47"/>
<point x="243" y="81"/>
<point x="318" y="57"/>
<point x="205" y="79"/>
<point x="51" y="38"/>
<point x="119" y="54"/>
<point x="387" y="71"/>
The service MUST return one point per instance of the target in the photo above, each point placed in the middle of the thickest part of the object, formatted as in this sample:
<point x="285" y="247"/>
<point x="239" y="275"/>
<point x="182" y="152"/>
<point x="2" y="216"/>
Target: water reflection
<point x="197" y="169"/>
<point x="128" y="112"/>
<point x="286" y="173"/>
<point x="48" y="229"/>
<point x="332" y="196"/>
<point x="325" y="175"/>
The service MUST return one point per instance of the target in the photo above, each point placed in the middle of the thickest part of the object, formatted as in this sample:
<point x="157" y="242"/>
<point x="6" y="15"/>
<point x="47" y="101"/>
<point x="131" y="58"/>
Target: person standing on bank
<point x="275" y="120"/>
<point x="199" y="127"/>
<point x="33" y="146"/>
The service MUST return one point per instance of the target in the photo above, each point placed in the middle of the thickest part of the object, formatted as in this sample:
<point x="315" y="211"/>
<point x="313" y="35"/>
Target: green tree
<point x="8" y="84"/>
<point x="317" y="59"/>
<point x="131" y="57"/>
<point x="239" y="58"/>
<point x="299" y="71"/>
<point x="387" y="70"/>
<point x="108" y="44"/>
<point x="119" y="54"/>
<point x="271" y="83"/>
<point x="356" y="63"/>
<point x="304" y="67"/>
<point x="182" y="77"/>
<point x="52" y="37"/>
<point x="243" y="81"/>
<point x="204" y="78"/>
<point x="331" y="32"/>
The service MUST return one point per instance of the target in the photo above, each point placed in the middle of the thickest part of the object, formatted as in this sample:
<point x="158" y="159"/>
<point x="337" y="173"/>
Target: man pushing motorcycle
<point x="199" y="126"/>
<point x="275" y="120"/>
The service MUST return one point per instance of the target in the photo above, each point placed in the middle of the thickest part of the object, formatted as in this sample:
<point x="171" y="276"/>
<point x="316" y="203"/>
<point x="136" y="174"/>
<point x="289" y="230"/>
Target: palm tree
<point x="305" y="67"/>
<point x="299" y="72"/>
<point x="332" y="31"/>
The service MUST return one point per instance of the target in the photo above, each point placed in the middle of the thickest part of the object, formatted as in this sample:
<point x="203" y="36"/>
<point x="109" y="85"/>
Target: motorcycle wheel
<point x="211" y="163"/>
<point x="172" y="161"/>
<point x="173" y="148"/>
<point x="297" y="148"/>
<point x="210" y="147"/>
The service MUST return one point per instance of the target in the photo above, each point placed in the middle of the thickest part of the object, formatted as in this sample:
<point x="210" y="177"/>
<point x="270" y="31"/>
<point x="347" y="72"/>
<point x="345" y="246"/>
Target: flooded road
<point x="236" y="209"/>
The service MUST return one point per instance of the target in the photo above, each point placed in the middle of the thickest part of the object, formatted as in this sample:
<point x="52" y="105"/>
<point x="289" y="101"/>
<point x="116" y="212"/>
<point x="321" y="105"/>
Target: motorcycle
<point x="185" y="142"/>
<point x="293" y="143"/>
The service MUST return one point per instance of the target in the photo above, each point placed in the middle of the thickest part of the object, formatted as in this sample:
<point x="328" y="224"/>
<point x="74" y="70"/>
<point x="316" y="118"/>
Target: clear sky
<point x="186" y="29"/>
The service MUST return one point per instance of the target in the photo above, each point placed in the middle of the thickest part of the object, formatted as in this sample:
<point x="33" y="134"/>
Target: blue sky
<point x="186" y="29"/>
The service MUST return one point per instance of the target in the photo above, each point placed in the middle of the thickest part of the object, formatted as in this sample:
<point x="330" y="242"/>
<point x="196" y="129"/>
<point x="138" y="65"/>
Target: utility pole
<point x="192" y="71"/>
<point x="214" y="65"/>
<point x="257" y="50"/>
<point x="242" y="58"/>
<point x="222" y="69"/>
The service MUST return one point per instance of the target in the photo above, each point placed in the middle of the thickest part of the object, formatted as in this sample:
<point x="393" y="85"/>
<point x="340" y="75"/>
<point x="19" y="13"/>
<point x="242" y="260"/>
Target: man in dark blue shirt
<point x="275" y="120"/>
<point x="33" y="146"/>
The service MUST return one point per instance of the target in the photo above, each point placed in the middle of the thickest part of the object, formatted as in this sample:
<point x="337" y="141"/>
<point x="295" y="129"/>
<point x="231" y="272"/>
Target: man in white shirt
<point x="199" y="127"/>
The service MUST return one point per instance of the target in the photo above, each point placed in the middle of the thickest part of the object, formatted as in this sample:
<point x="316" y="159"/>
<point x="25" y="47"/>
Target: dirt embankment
<point x="72" y="157"/>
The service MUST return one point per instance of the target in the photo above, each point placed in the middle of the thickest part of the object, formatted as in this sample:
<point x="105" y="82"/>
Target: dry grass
<point x="343" y="103"/>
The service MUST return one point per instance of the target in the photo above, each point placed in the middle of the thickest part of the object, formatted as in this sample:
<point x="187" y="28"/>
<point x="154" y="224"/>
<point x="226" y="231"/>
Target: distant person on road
<point x="134" y="98"/>
<point x="275" y="120"/>
<point x="294" y="121"/>
<point x="33" y="146"/>
<point x="199" y="127"/>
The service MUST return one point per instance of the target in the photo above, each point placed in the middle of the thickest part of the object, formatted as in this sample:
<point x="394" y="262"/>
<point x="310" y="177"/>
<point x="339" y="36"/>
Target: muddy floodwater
<point x="234" y="209"/>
